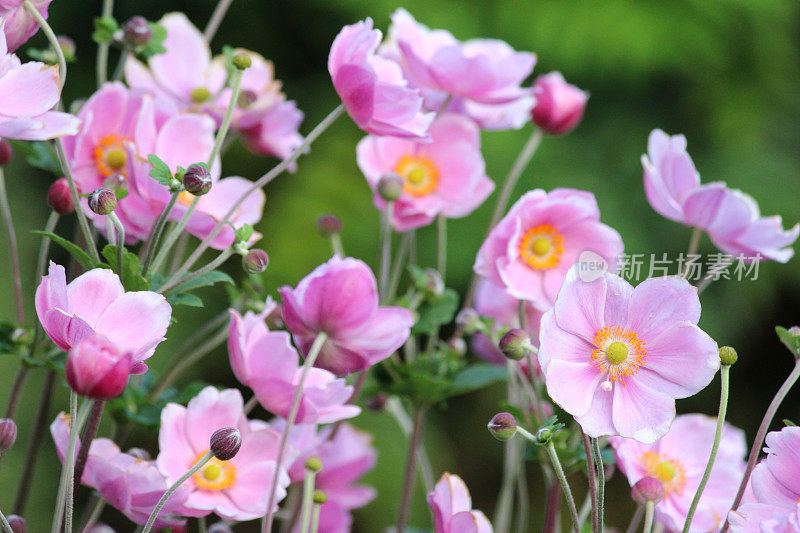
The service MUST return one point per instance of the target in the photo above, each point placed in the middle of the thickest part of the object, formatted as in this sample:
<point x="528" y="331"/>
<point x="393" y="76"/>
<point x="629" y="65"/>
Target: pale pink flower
<point x="541" y="237"/>
<point x="244" y="332"/>
<point x="236" y="489"/>
<point x="616" y="357"/>
<point x="764" y="518"/>
<point x="340" y="298"/>
<point x="28" y="91"/>
<point x="678" y="460"/>
<point x="452" y="508"/>
<point x="96" y="369"/>
<point x="96" y="302"/>
<point x="445" y="177"/>
<point x="372" y="88"/>
<point x="20" y="25"/>
<point x="559" y="105"/>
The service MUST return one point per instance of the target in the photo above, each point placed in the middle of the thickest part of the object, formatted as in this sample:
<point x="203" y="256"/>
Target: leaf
<point x="206" y="280"/>
<point x="75" y="251"/>
<point x="155" y="45"/>
<point x="104" y="29"/>
<point x="186" y="298"/>
<point x="790" y="339"/>
<point x="131" y="275"/>
<point x="160" y="171"/>
<point x="437" y="311"/>
<point x="38" y="154"/>
<point x="477" y="376"/>
<point x="244" y="233"/>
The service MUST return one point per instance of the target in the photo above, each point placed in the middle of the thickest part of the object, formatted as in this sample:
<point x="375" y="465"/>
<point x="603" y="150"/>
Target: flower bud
<point x="96" y="369"/>
<point x="390" y="187"/>
<point x="197" y="180"/>
<point x="59" y="197"/>
<point x="376" y="403"/>
<point x="242" y="61"/>
<point x="314" y="464"/>
<point x="457" y="346"/>
<point x="543" y="435"/>
<point x="727" y="355"/>
<point x="17" y="523"/>
<point x="68" y="47"/>
<point x="503" y="426"/>
<point x="329" y="225"/>
<point x="320" y="497"/>
<point x="469" y="321"/>
<point x="219" y="527"/>
<point x="225" y="443"/>
<point x="137" y="32"/>
<point x="431" y="282"/>
<point x="8" y="434"/>
<point x="103" y="201"/>
<point x="140" y="453"/>
<point x="515" y="344"/>
<point x="559" y="105"/>
<point x="117" y="184"/>
<point x="647" y="489"/>
<point x="255" y="261"/>
<point x="100" y="528"/>
<point x="246" y="99"/>
<point x="6" y="152"/>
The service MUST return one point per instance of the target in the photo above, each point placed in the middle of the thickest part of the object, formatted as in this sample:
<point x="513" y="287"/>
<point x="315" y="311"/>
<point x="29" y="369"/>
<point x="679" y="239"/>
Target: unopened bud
<point x="103" y="201"/>
<point x="255" y="261"/>
<point x="140" y="453"/>
<point x="503" y="426"/>
<point x="469" y="321"/>
<point x="59" y="197"/>
<point x="137" y="32"/>
<point x="17" y="523"/>
<point x="431" y="282"/>
<point x="6" y="152"/>
<point x="647" y="489"/>
<point x="8" y="434"/>
<point x="219" y="527"/>
<point x="559" y="105"/>
<point x="515" y="344"/>
<point x="314" y="464"/>
<point x="225" y="443"/>
<point x="242" y="61"/>
<point x="68" y="47"/>
<point x="197" y="180"/>
<point x="544" y="435"/>
<point x="390" y="187"/>
<point x="727" y="355"/>
<point x="329" y="225"/>
<point x="320" y="497"/>
<point x="376" y="403"/>
<point x="457" y="346"/>
<point x="118" y="184"/>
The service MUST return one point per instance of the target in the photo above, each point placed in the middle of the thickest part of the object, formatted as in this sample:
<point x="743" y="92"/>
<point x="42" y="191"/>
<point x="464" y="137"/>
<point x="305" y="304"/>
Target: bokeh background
<point x="724" y="72"/>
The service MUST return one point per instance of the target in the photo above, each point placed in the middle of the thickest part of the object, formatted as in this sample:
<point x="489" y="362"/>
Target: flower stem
<point x="694" y="244"/>
<point x="156" y="232"/>
<point x="395" y="408"/>
<point x="635" y="520"/>
<point x="762" y="433"/>
<point x="189" y="473"/>
<point x="724" y="373"/>
<point x="221" y="258"/>
<point x="601" y="482"/>
<point x="308" y="500"/>
<point x="573" y="511"/>
<point x="216" y="19"/>
<point x="441" y="246"/>
<point x="13" y="253"/>
<point x="120" y="241"/>
<point x="399" y="263"/>
<point x="16" y="390"/>
<point x="315" y="518"/>
<point x="319" y="341"/>
<point x="88" y="436"/>
<point x="590" y="473"/>
<point x="101" y="67"/>
<point x="649" y="508"/>
<point x="119" y="71"/>
<point x="410" y="470"/>
<point x="386" y="249"/>
<point x="52" y="39"/>
<point x="73" y="191"/>
<point x="4" y="522"/>
<point x="64" y="499"/>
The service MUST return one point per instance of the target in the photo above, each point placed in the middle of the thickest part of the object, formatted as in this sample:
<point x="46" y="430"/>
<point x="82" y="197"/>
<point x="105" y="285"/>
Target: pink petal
<point x="572" y="385"/>
<point x="641" y="413"/>
<point x="92" y="292"/>
<point x="657" y="303"/>
<point x="136" y="320"/>
<point x="28" y="90"/>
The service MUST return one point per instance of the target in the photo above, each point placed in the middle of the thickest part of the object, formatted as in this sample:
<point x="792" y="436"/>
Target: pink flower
<point x="340" y="298"/>
<point x="730" y="217"/>
<point x="481" y="77"/>
<point x="372" y="88"/>
<point x="96" y="302"/>
<point x="244" y="332"/>
<point x="764" y="518"/>
<point x="559" y="105"/>
<point x="97" y="369"/>
<point x="20" y="25"/>
<point x="616" y="357"/>
<point x="28" y="91"/>
<point x="444" y="177"/>
<point x="130" y="484"/>
<point x="236" y="489"/>
<point x="678" y="460"/>
<point x="452" y="508"/>
<point x="541" y="237"/>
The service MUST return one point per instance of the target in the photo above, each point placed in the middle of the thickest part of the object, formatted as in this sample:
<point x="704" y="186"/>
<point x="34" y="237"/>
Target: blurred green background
<point x="724" y="72"/>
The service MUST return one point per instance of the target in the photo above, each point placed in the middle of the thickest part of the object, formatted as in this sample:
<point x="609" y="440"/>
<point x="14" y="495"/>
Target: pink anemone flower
<point x="559" y="105"/>
<point x="96" y="302"/>
<point x="452" y="508"/>
<point x="616" y="357"/>
<point x="20" y="25"/>
<point x="444" y="177"/>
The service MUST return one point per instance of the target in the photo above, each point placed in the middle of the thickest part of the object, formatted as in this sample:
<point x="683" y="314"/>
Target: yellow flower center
<point x="541" y="247"/>
<point x="420" y="174"/>
<point x="215" y="474"/>
<point x="110" y="156"/>
<point x="185" y="198"/>
<point x="619" y="352"/>
<point x="670" y="472"/>
<point x="200" y="95"/>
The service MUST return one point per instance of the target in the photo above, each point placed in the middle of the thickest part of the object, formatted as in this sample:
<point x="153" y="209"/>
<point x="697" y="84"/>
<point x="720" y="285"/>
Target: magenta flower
<point x="616" y="357"/>
<point x="96" y="302"/>
<point x="236" y="489"/>
<point x="20" y="25"/>
<point x="559" y="105"/>
<point x="96" y="369"/>
<point x="678" y="460"/>
<point x="28" y="91"/>
<point x="444" y="177"/>
<point x="541" y="237"/>
<point x="452" y="508"/>
<point x="372" y="88"/>
<point x="340" y="298"/>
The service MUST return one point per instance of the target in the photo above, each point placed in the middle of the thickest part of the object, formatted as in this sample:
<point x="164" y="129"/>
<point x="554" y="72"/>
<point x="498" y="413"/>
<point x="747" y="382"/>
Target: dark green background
<point x="724" y="72"/>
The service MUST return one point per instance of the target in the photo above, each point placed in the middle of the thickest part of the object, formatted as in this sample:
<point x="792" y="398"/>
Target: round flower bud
<point x="6" y="152"/>
<point x="376" y="403"/>
<point x="17" y="523"/>
<point x="59" y="197"/>
<point x="544" y="435"/>
<point x="255" y="261"/>
<point x="225" y="443"/>
<point x="320" y="497"/>
<point x="727" y="355"/>
<point x="390" y="187"/>
<point x="8" y="434"/>
<point x="137" y="32"/>
<point x="219" y="527"/>
<point x="329" y="225"/>
<point x="96" y="369"/>
<point x="68" y="47"/>
<point x="559" y="105"/>
<point x="140" y="453"/>
<point x="515" y="344"/>
<point x="246" y="99"/>
<point x="242" y="61"/>
<point x="314" y="464"/>
<point x="457" y="346"/>
<point x="647" y="489"/>
<point x="197" y="180"/>
<point x="469" y="321"/>
<point x="103" y="201"/>
<point x="118" y="184"/>
<point x="503" y="426"/>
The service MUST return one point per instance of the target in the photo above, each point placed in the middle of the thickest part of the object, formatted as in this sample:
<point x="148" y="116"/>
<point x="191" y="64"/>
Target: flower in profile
<point x="340" y="298"/>
<point x="19" y="24"/>
<point x="28" y="91"/>
<point x="372" y="88"/>
<point x="96" y="302"/>
<point x="235" y="489"/>
<point x="444" y="177"/>
<point x="96" y="369"/>
<point x="541" y="237"/>
<point x="559" y="105"/>
<point x="616" y="357"/>
<point x="678" y="460"/>
<point x="243" y="333"/>
<point x="452" y="508"/>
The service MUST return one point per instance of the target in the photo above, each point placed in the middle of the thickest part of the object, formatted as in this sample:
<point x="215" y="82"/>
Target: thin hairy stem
<point x="89" y="433"/>
<point x="395" y="408"/>
<point x="13" y="253"/>
<point x="386" y="249"/>
<point x="52" y="39"/>
<point x="64" y="499"/>
<point x="120" y="241"/>
<point x="410" y="470"/>
<point x="573" y="511"/>
<point x="4" y="522"/>
<point x="216" y="19"/>
<point x="73" y="191"/>
<point x="399" y="263"/>
<point x="441" y="246"/>
<point x="101" y="67"/>
<point x="590" y="473"/>
<point x="155" y="233"/>
<point x="601" y="483"/>
<point x="16" y="390"/>
<point x="221" y="258"/>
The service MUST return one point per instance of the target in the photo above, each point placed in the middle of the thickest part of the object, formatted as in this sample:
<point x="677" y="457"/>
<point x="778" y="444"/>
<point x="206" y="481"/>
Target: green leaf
<point x="186" y="298"/>
<point x="244" y="233"/>
<point x="75" y="251"/>
<point x="787" y="422"/>
<point x="104" y="29"/>
<point x="206" y="280"/>
<point x="435" y="312"/>
<point x="160" y="171"/>
<point x="131" y="275"/>
<point x="38" y="154"/>
<point x="477" y="376"/>
<point x="789" y="339"/>
<point x="155" y="45"/>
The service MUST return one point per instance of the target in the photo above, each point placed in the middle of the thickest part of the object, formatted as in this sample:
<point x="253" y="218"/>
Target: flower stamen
<point x="619" y="352"/>
<point x="420" y="174"/>
<point x="541" y="247"/>
<point x="111" y="156"/>
<point x="670" y="472"/>
<point x="215" y="474"/>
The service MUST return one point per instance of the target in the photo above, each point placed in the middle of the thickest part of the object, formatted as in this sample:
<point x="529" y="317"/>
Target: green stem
<point x="216" y="19"/>
<point x="601" y="483"/>
<point x="694" y="244"/>
<point x="156" y="232"/>
<point x="4" y="522"/>
<point x="723" y="407"/>
<point x="201" y="524"/>
<point x="101" y="67"/>
<point x="120" y="70"/>
<point x="94" y="516"/>
<point x="308" y="500"/>
<point x="13" y="253"/>
<point x="53" y="40"/>
<point x="573" y="511"/>
<point x="635" y="520"/>
<point x="649" y="509"/>
<point x="336" y="245"/>
<point x="395" y="408"/>
<point x="590" y="473"/>
<point x="73" y="191"/>
<point x="399" y="263"/>
<point x="120" y="241"/>
<point x="221" y="258"/>
<point x="411" y="468"/>
<point x="315" y="518"/>
<point x="386" y="249"/>
<point x="64" y="499"/>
